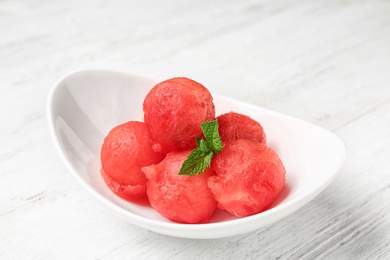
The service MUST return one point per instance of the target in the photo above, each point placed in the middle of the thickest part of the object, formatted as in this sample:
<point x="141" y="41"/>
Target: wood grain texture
<point x="327" y="62"/>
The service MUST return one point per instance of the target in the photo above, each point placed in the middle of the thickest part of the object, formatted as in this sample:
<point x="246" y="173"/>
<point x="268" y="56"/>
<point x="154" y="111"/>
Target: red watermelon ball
<point x="249" y="177"/>
<point x="173" y="112"/>
<point x="234" y="126"/>
<point x="181" y="198"/>
<point x="126" y="149"/>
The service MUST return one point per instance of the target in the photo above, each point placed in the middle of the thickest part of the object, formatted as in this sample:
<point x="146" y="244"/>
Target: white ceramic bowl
<point x="84" y="106"/>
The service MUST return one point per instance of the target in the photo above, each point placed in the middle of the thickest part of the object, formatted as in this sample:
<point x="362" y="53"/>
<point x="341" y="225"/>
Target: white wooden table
<point x="327" y="62"/>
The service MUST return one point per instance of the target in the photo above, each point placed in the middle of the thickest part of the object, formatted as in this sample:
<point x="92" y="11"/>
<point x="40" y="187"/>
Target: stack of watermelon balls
<point x="187" y="162"/>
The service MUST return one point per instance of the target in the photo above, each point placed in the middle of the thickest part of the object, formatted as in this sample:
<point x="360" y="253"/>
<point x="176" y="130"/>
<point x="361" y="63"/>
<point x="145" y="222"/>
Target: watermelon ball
<point x="249" y="177"/>
<point x="181" y="198"/>
<point x="126" y="149"/>
<point x="234" y="126"/>
<point x="173" y="112"/>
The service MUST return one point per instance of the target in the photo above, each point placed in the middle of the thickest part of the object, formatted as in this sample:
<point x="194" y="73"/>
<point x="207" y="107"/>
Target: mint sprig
<point x="199" y="159"/>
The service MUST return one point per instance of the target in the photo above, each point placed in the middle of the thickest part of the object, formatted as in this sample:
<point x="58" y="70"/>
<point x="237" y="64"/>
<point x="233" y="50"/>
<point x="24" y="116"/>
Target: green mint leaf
<point x="199" y="159"/>
<point x="197" y="141"/>
<point x="203" y="146"/>
<point x="210" y="132"/>
<point x="197" y="162"/>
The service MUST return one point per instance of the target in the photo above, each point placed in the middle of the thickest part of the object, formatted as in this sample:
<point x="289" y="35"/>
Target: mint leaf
<point x="210" y="132"/>
<point x="203" y="145"/>
<point x="199" y="159"/>
<point x="196" y="162"/>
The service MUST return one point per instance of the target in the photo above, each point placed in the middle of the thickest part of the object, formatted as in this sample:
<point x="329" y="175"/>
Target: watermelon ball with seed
<point x="181" y="198"/>
<point x="173" y="112"/>
<point x="249" y="177"/>
<point x="126" y="149"/>
<point x="234" y="126"/>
